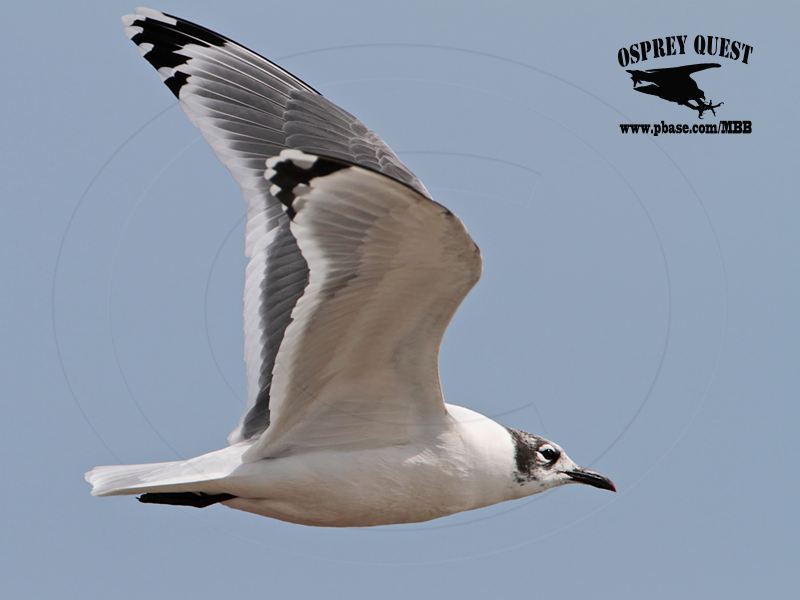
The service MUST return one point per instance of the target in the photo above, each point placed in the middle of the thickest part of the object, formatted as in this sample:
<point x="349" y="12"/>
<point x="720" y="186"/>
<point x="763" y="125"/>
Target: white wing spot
<point x="299" y="158"/>
<point x="301" y="189"/>
<point x="144" y="48"/>
<point x="166" y="72"/>
<point x="132" y="30"/>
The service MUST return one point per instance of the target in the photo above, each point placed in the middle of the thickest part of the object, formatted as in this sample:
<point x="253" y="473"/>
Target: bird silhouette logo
<point x="675" y="84"/>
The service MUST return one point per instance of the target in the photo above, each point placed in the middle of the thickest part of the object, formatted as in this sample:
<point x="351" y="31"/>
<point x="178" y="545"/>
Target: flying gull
<point x="354" y="273"/>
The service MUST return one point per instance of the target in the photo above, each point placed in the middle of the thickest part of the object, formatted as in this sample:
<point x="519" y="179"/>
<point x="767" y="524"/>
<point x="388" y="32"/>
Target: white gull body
<point x="464" y="463"/>
<point x="354" y="275"/>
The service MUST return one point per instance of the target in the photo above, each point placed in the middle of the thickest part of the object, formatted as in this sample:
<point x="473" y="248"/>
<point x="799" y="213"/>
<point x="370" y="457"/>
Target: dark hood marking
<point x="525" y="446"/>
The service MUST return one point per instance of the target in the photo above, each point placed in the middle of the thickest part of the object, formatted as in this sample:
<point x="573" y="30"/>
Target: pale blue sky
<point x="638" y="305"/>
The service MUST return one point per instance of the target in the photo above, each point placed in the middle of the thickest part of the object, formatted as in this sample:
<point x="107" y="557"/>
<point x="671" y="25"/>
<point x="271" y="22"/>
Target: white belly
<point x="439" y="475"/>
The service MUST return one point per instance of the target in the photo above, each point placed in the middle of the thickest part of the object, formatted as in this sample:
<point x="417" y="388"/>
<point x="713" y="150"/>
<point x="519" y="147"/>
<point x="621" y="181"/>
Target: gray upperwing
<point x="249" y="109"/>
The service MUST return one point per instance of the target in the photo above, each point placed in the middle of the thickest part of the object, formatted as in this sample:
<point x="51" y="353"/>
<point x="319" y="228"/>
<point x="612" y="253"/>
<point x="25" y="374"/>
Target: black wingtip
<point x="161" y="38"/>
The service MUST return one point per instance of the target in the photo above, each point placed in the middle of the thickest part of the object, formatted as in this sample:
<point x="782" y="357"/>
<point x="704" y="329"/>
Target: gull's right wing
<point x="249" y="109"/>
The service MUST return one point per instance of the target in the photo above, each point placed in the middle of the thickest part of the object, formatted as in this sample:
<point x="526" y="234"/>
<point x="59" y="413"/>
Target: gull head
<point x="540" y="464"/>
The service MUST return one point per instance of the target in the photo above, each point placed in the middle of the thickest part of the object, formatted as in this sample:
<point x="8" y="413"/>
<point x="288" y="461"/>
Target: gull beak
<point x="580" y="475"/>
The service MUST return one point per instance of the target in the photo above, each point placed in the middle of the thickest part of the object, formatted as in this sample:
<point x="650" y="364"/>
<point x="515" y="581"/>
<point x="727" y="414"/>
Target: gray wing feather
<point x="249" y="109"/>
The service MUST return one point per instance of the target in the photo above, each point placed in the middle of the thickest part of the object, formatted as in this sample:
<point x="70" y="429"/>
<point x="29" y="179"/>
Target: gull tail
<point x="195" y="482"/>
<point x="134" y="479"/>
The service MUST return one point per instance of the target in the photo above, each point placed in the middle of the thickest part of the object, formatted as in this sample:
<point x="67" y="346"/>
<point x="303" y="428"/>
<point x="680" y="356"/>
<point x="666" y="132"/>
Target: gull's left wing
<point x="358" y="364"/>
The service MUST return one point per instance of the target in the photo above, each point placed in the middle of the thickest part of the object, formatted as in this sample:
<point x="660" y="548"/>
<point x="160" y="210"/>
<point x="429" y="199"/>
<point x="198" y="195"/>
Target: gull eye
<point x="549" y="453"/>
